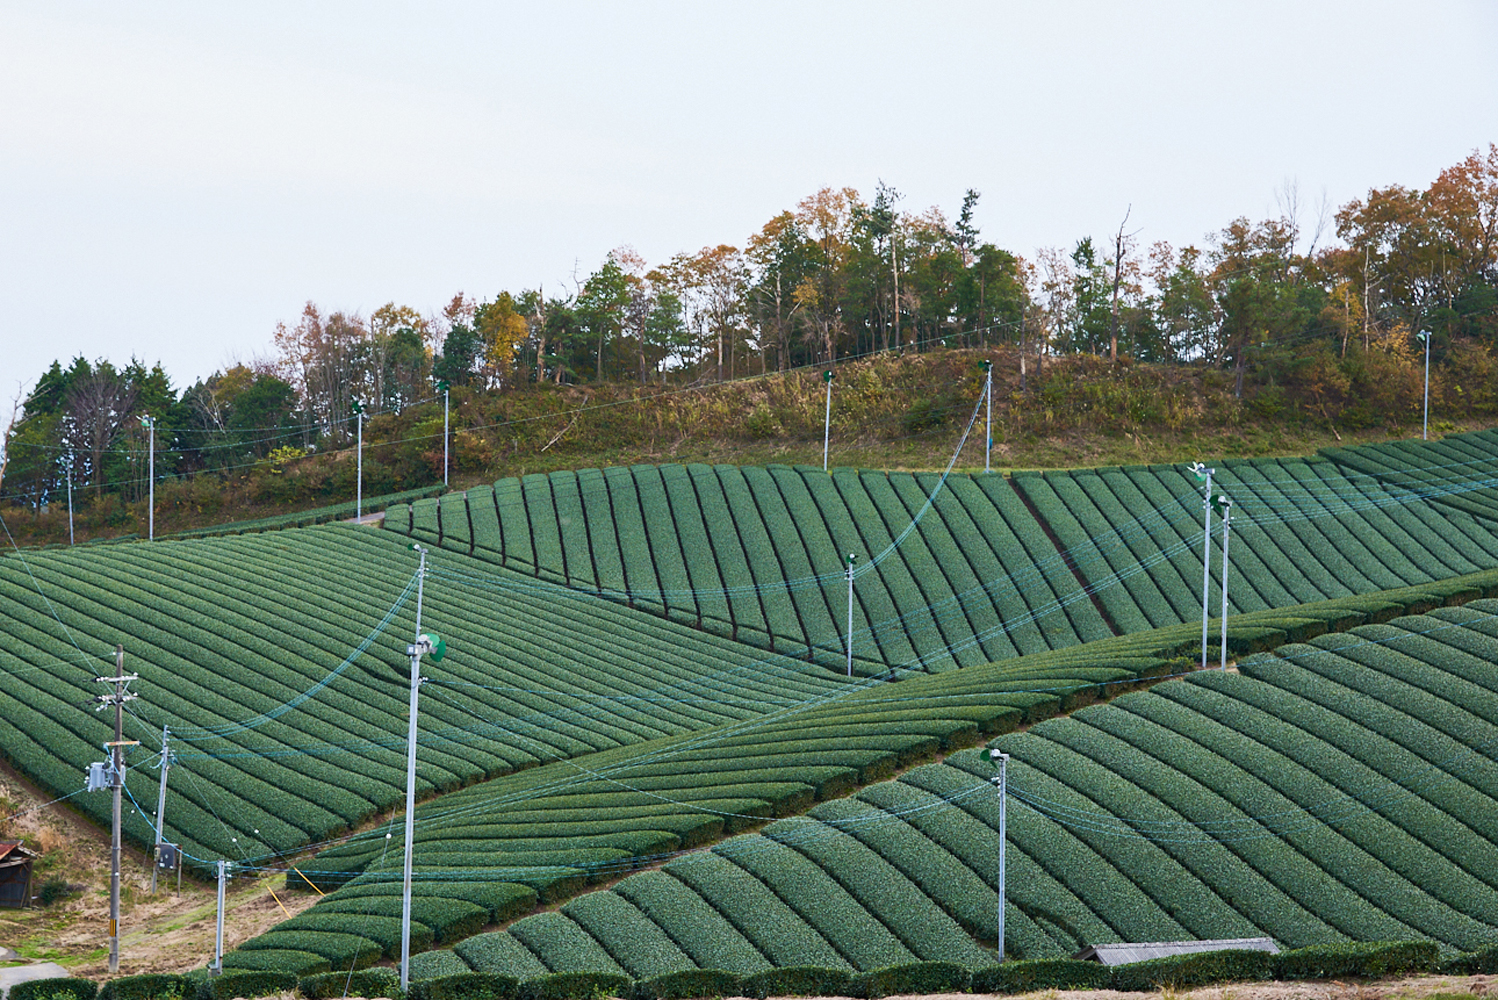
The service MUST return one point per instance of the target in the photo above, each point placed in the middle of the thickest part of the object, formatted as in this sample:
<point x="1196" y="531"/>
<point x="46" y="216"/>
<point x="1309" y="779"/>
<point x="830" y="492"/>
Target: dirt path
<point x="168" y="932"/>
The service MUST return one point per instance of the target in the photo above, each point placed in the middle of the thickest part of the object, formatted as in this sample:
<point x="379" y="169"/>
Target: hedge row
<point x="317" y="515"/>
<point x="302" y="603"/>
<point x="715" y="546"/>
<point x="1369" y="960"/>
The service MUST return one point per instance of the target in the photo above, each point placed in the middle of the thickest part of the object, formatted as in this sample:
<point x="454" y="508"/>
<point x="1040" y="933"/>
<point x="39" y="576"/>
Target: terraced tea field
<point x="647" y="670"/>
<point x="1337" y="789"/>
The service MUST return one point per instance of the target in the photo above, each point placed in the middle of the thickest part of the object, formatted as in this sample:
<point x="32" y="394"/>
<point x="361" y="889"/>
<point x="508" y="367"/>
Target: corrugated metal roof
<point x="1122" y="953"/>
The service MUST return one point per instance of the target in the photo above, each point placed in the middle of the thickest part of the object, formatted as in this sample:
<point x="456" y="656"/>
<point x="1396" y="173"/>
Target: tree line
<point x="1320" y="303"/>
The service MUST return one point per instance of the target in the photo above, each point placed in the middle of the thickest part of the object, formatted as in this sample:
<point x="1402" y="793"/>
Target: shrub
<point x="54" y="889"/>
<point x="302" y="963"/>
<point x="1195" y="969"/>
<point x="689" y="983"/>
<point x="54" y="989"/>
<point x="576" y="986"/>
<point x="364" y="983"/>
<point x="466" y="986"/>
<point x="1471" y="963"/>
<point x="246" y="984"/>
<point x="1042" y="974"/>
<point x="797" y="981"/>
<point x="148" y="987"/>
<point x="915" y="977"/>
<point x="1357" y="958"/>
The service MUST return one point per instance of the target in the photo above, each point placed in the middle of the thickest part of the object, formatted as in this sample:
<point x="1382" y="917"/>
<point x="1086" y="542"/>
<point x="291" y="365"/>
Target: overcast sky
<point x="177" y="177"/>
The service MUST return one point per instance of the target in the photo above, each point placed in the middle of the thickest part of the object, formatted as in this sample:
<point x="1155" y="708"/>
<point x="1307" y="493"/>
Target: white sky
<point x="176" y="177"/>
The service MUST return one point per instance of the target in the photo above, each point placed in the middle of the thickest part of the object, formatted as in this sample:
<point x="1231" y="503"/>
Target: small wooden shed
<point x="1123" y="953"/>
<point x="15" y="874"/>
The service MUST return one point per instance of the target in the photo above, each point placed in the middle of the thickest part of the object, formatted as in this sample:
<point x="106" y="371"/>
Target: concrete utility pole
<point x="827" y="419"/>
<point x="443" y="385"/>
<point x="70" y="498"/>
<point x="1203" y="473"/>
<point x="217" y="968"/>
<point x="151" y="478"/>
<point x="1002" y="781"/>
<point x="987" y="412"/>
<point x="851" y="558"/>
<point x="166" y="765"/>
<point x="425" y="643"/>
<point x="117" y="698"/>
<point x="1225" y="510"/>
<point x="359" y="488"/>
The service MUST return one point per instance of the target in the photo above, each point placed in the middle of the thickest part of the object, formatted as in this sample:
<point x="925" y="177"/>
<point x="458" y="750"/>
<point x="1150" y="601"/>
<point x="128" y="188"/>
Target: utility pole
<point x="827" y="419"/>
<point x="1204" y="473"/>
<point x="443" y="385"/>
<point x="151" y="477"/>
<point x="851" y="558"/>
<point x="1002" y="781"/>
<point x="987" y="411"/>
<point x="894" y="266"/>
<point x="1425" y="419"/>
<point x="217" y="968"/>
<point x="425" y="643"/>
<point x="359" y="488"/>
<point x="166" y="765"/>
<point x="1224" y="510"/>
<point x="70" y="497"/>
<point x="117" y="698"/>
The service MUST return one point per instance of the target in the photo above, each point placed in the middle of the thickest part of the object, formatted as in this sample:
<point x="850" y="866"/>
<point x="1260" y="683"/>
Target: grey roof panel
<point x="1122" y="953"/>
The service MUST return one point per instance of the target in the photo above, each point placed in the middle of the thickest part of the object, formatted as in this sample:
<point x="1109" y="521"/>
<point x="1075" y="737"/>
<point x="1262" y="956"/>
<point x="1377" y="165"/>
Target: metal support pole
<point x="70" y="498"/>
<point x="1202" y="472"/>
<point x="827" y="419"/>
<point x="359" y="488"/>
<point x="415" y="651"/>
<point x="1225" y="509"/>
<point x="445" y="461"/>
<point x="217" y="968"/>
<point x="118" y="787"/>
<point x="988" y="413"/>
<point x="851" y="557"/>
<point x="166" y="765"/>
<point x="1003" y="782"/>
<point x="1425" y="420"/>
<point x="151" y="480"/>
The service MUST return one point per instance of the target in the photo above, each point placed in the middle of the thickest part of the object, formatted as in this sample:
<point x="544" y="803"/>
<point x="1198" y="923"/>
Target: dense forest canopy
<point x="1327" y="304"/>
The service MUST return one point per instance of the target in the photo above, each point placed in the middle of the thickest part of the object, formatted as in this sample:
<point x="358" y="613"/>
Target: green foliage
<point x="54" y="889"/>
<point x="576" y="986"/>
<point x="687" y="984"/>
<point x="246" y="984"/>
<point x="341" y="950"/>
<point x="1195" y="969"/>
<point x="1371" y="959"/>
<point x="915" y="977"/>
<point x="466" y="986"/>
<point x="436" y="964"/>
<point x="150" y="987"/>
<point x="302" y="963"/>
<point x="376" y="982"/>
<point x="797" y="981"/>
<point x="61" y="988"/>
<point x="1035" y="975"/>
<point x="1481" y="961"/>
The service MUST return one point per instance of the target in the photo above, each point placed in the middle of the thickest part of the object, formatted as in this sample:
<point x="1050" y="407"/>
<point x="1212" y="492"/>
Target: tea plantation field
<point x="277" y="661"/>
<point x="994" y="566"/>
<point x="647" y="670"/>
<point x="1341" y="788"/>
